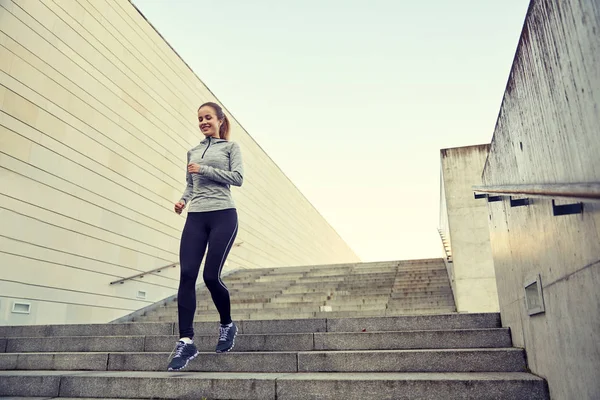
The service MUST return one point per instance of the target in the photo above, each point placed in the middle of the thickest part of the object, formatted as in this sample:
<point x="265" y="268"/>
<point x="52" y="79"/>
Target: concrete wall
<point x="547" y="132"/>
<point x="97" y="113"/>
<point x="465" y="219"/>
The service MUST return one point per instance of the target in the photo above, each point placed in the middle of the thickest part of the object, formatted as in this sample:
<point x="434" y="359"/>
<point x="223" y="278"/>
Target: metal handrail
<point x="446" y="246"/>
<point x="581" y="191"/>
<point x="141" y="275"/>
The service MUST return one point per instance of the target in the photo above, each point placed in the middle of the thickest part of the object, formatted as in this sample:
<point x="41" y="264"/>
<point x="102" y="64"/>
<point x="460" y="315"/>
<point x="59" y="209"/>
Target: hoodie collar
<point x="212" y="140"/>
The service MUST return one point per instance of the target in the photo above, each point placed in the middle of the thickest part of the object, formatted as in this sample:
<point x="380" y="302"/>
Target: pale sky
<point x="354" y="99"/>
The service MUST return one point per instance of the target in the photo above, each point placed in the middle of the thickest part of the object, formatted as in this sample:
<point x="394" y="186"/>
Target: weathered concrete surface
<point x="426" y="386"/>
<point x="547" y="132"/>
<point x="472" y="267"/>
<point x="270" y="386"/>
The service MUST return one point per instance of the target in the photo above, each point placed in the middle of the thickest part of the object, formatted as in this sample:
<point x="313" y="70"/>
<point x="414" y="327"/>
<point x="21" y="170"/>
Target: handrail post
<point x="141" y="275"/>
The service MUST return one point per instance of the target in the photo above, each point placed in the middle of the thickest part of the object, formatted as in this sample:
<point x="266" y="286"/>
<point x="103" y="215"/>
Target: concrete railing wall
<point x="97" y="113"/>
<point x="464" y="220"/>
<point x="444" y="230"/>
<point x="548" y="133"/>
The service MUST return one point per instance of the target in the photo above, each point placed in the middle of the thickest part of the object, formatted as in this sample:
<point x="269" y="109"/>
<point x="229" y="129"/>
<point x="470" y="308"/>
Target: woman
<point x="213" y="166"/>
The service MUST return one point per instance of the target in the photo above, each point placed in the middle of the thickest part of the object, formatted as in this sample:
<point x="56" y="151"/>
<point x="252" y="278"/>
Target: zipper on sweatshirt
<point x="206" y="147"/>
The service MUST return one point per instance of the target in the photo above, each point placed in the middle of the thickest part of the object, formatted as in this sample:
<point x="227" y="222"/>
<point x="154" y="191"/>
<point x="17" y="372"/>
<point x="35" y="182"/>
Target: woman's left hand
<point x="193" y="168"/>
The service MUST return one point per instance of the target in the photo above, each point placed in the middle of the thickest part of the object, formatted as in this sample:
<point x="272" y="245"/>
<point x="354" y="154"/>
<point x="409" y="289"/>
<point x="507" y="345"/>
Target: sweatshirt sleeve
<point x="187" y="194"/>
<point x="235" y="175"/>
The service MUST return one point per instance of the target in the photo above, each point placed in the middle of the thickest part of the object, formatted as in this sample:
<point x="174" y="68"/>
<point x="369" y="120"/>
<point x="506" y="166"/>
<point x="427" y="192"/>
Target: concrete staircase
<point x="333" y="291"/>
<point x="294" y="352"/>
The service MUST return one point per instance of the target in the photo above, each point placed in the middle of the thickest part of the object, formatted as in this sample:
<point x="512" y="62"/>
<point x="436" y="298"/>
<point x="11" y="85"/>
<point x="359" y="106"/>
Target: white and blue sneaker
<point x="184" y="353"/>
<point x="227" y="334"/>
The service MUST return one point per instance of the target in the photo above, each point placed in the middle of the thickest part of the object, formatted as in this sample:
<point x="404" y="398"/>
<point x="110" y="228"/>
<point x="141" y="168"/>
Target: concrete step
<point x="280" y="386"/>
<point x="399" y="308"/>
<point x="421" y="299"/>
<point x="414" y="303"/>
<point x="62" y="398"/>
<point x="421" y="293"/>
<point x="391" y="295"/>
<point x="373" y="273"/>
<point x="337" y="279"/>
<point x="293" y="325"/>
<point x="285" y="313"/>
<point x="325" y="289"/>
<point x="406" y="311"/>
<point x="276" y="307"/>
<point x="268" y="305"/>
<point x="303" y="309"/>
<point x="366" y="267"/>
<point x="371" y="270"/>
<point x="417" y="311"/>
<point x="347" y="279"/>
<point x="428" y="339"/>
<point x="253" y="288"/>
<point x="243" y="295"/>
<point x="430" y="360"/>
<point x="345" y="300"/>
<point x="287" y="277"/>
<point x="398" y="283"/>
<point x="309" y="301"/>
<point x="294" y="296"/>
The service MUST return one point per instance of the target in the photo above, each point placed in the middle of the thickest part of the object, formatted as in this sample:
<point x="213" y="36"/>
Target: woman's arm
<point x="235" y="175"/>
<point x="187" y="194"/>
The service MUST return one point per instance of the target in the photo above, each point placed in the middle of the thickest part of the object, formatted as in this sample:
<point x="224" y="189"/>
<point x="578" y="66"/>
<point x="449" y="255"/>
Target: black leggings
<point x="217" y="229"/>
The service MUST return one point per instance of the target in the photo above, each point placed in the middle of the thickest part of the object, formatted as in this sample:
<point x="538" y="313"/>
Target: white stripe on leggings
<point x="227" y="248"/>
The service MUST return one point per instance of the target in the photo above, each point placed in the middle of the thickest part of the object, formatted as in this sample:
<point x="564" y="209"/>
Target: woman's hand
<point x="179" y="206"/>
<point x="193" y="168"/>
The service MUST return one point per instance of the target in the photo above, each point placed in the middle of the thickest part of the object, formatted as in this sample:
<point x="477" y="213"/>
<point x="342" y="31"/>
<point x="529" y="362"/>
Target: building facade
<point x="97" y="113"/>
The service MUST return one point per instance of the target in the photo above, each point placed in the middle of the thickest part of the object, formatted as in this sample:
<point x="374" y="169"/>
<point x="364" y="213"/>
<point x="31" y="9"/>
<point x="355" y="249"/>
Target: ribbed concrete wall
<point x="97" y="114"/>
<point x="547" y="132"/>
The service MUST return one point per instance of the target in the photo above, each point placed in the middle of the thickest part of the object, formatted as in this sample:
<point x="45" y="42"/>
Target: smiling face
<point x="208" y="122"/>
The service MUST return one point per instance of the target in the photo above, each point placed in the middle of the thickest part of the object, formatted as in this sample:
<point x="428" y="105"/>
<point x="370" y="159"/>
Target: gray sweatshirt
<point x="220" y="166"/>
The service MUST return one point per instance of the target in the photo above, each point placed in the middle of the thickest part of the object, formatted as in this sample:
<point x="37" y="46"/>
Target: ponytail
<point x="225" y="127"/>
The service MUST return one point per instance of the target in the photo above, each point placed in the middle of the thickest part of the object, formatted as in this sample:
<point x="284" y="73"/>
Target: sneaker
<point x="227" y="334"/>
<point x="184" y="353"/>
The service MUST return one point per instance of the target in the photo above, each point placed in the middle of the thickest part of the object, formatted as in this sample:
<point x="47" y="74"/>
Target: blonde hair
<point x="225" y="127"/>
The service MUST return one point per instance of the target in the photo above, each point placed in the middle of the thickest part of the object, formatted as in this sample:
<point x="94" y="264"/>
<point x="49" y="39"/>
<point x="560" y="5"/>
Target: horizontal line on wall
<point x="68" y="303"/>
<point x="87" y="201"/>
<point x="72" y="254"/>
<point x="108" y="78"/>
<point x="86" y="156"/>
<point x="255" y="200"/>
<point x="167" y="87"/>
<point x="93" y="271"/>
<point x="167" y="202"/>
<point x="141" y="140"/>
<point x="248" y="231"/>
<point x="153" y="46"/>
<point x="76" y="291"/>
<point x="85" y="223"/>
<point x="568" y="276"/>
<point x="90" y="236"/>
